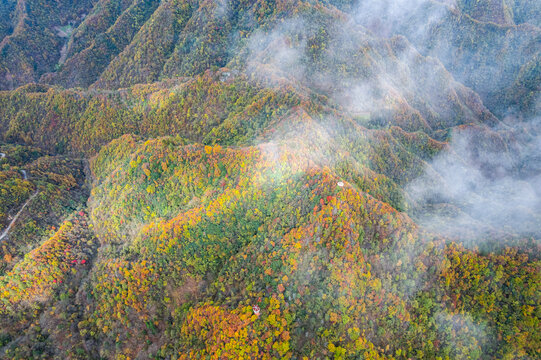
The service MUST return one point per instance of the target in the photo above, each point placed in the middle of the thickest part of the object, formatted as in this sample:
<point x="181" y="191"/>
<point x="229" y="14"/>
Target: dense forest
<point x="270" y="179"/>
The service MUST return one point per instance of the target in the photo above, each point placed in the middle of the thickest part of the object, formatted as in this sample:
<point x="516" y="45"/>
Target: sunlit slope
<point x="252" y="225"/>
<point x="193" y="236"/>
<point x="190" y="237"/>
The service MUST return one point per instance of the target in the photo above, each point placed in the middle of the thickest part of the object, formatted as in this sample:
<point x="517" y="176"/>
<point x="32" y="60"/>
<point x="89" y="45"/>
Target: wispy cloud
<point x="487" y="183"/>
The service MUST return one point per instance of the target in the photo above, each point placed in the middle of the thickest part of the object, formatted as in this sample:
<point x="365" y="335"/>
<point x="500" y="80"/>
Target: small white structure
<point x="341" y="184"/>
<point x="257" y="310"/>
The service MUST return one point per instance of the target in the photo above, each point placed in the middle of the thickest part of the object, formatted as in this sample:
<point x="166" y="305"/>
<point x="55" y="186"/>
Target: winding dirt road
<point x="6" y="231"/>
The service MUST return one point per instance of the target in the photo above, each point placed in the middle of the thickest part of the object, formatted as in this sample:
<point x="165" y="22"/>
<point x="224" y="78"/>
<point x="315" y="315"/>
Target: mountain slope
<point x="260" y="179"/>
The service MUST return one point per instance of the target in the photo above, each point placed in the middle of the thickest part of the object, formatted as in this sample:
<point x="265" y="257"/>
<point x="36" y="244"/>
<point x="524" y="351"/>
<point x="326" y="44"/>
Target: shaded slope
<point x="488" y="57"/>
<point x="142" y="61"/>
<point x="33" y="47"/>
<point x="55" y="186"/>
<point x="85" y="66"/>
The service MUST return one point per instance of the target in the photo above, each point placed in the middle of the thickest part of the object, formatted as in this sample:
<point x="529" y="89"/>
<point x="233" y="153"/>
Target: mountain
<point x="268" y="179"/>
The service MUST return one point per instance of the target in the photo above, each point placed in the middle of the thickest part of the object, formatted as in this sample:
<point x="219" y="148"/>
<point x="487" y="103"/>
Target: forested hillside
<point x="270" y="179"/>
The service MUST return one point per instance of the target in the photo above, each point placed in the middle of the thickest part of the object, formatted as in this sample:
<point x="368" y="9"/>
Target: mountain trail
<point x="6" y="232"/>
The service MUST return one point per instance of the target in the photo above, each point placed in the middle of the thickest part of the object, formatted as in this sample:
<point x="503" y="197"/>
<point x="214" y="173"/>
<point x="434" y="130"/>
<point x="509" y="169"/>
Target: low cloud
<point x="487" y="183"/>
<point x="274" y="54"/>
